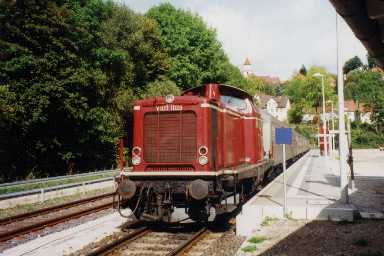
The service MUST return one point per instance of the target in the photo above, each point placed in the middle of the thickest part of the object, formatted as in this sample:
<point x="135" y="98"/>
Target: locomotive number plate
<point x="170" y="108"/>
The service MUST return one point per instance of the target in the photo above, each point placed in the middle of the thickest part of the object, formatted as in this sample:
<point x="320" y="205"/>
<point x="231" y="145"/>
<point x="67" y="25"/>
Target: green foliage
<point x="305" y="92"/>
<point x="133" y="52"/>
<point x="368" y="87"/>
<point x="196" y="56"/>
<point x="352" y="64"/>
<point x="68" y="71"/>
<point x="43" y="68"/>
<point x="295" y="114"/>
<point x="256" y="85"/>
<point x="372" y="62"/>
<point x="365" y="136"/>
<point x="307" y="130"/>
<point x="161" y="87"/>
<point x="312" y="88"/>
<point x="294" y="89"/>
<point x="249" y="248"/>
<point x="257" y="239"/>
<point x="267" y="221"/>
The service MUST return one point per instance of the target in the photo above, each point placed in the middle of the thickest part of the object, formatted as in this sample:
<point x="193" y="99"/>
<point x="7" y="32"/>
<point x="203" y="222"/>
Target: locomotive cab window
<point x="237" y="104"/>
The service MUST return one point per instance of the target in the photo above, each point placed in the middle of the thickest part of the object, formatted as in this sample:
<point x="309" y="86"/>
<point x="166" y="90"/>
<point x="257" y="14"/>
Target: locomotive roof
<point x="232" y="90"/>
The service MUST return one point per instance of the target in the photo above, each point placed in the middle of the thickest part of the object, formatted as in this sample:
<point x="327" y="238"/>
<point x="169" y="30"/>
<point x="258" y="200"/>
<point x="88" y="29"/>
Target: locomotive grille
<point x="170" y="137"/>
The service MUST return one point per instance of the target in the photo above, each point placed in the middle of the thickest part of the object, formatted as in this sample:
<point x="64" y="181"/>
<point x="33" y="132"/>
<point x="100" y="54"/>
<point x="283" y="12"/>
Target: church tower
<point x="247" y="68"/>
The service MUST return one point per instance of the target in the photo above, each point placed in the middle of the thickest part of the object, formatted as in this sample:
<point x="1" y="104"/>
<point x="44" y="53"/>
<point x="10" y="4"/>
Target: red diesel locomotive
<point x="202" y="151"/>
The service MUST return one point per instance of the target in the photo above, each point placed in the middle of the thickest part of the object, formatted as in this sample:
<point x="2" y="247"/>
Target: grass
<point x="361" y="242"/>
<point x="267" y="221"/>
<point x="289" y="216"/>
<point x="4" y="213"/>
<point x="249" y="248"/>
<point x="252" y="243"/>
<point x="52" y="183"/>
<point x="257" y="239"/>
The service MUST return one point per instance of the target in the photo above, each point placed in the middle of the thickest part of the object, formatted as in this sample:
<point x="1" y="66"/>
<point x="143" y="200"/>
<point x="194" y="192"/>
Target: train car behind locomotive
<point x="194" y="151"/>
<point x="274" y="152"/>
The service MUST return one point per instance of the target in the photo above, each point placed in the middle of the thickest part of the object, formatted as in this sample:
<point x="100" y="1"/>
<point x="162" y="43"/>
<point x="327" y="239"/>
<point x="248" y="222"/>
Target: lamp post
<point x="333" y="127"/>
<point x="324" y="120"/>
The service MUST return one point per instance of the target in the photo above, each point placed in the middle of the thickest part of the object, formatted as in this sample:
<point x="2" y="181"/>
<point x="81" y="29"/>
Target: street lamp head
<point x="318" y="75"/>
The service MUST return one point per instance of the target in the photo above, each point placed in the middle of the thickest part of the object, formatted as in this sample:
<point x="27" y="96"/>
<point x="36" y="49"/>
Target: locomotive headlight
<point x="203" y="150"/>
<point x="203" y="160"/>
<point x="136" y="151"/>
<point x="136" y="160"/>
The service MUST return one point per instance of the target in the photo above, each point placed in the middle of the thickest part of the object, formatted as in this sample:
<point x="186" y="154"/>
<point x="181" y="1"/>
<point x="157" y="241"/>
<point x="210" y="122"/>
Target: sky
<point x="278" y="36"/>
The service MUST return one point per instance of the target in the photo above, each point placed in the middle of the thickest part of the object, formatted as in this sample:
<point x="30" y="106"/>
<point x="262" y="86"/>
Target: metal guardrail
<point x="54" y="188"/>
<point x="64" y="177"/>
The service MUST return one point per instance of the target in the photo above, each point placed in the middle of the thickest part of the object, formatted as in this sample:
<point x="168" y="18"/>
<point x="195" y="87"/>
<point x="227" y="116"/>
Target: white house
<point x="350" y="109"/>
<point x="276" y="106"/>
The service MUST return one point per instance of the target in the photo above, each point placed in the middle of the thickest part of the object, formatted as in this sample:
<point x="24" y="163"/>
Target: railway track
<point x="147" y="241"/>
<point x="8" y="231"/>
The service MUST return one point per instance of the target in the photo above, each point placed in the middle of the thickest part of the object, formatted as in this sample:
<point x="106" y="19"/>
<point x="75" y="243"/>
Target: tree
<point x="257" y="85"/>
<point x="313" y="88"/>
<point x="196" y="56"/>
<point x="57" y="120"/>
<point x="68" y="71"/>
<point x="294" y="88"/>
<point x="303" y="70"/>
<point x="352" y="64"/>
<point x="372" y="62"/>
<point x="367" y="87"/>
<point x="295" y="114"/>
<point x="133" y="53"/>
<point x="161" y="87"/>
<point x="306" y="91"/>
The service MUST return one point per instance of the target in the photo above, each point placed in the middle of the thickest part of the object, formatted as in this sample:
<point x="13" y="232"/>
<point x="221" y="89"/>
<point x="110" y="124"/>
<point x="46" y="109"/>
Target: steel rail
<point x="129" y="237"/>
<point x="185" y="246"/>
<point x="23" y="216"/>
<point x="50" y="222"/>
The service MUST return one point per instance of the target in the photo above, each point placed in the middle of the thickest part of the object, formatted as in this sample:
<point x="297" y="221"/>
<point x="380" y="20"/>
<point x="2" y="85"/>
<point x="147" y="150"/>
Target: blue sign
<point x="283" y="135"/>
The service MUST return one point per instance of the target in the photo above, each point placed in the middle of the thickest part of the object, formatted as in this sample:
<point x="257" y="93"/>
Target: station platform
<point x="312" y="193"/>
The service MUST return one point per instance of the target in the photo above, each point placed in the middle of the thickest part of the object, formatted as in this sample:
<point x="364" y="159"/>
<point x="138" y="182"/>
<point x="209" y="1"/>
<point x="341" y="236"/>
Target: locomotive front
<point x="172" y="162"/>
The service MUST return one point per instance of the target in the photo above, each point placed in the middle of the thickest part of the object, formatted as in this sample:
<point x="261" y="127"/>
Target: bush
<point x="295" y="114"/>
<point x="364" y="136"/>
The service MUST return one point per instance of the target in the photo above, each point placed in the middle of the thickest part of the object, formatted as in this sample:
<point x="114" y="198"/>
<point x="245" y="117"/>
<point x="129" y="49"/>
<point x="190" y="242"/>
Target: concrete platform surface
<point x="69" y="240"/>
<point x="312" y="193"/>
<point x="368" y="192"/>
